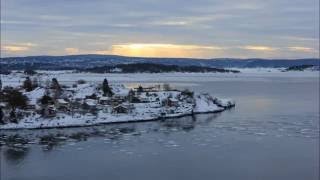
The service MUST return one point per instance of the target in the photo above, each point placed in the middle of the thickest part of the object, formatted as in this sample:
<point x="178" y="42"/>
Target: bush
<point x="30" y="72"/>
<point x="81" y="81"/>
<point x="187" y="92"/>
<point x="166" y="87"/>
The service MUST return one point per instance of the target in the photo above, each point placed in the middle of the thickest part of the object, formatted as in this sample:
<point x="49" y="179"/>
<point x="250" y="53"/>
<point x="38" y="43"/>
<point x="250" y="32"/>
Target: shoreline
<point x="117" y="122"/>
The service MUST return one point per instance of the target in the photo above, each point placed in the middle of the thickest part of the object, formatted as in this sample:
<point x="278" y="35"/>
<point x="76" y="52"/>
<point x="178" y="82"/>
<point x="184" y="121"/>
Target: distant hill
<point x="303" y="68"/>
<point x="154" y="68"/>
<point x="90" y="61"/>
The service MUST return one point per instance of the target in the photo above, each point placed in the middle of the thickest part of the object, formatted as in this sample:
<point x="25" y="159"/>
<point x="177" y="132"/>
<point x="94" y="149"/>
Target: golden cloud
<point x="160" y="50"/>
<point x="301" y="49"/>
<point x="14" y="49"/>
<point x="259" y="48"/>
<point x="17" y="48"/>
<point x="71" y="50"/>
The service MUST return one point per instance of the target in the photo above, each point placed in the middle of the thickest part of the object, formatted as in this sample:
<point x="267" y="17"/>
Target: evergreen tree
<point x="45" y="100"/>
<point x="56" y="88"/>
<point x="27" y="84"/>
<point x="1" y="116"/>
<point x="140" y="89"/>
<point x="0" y="84"/>
<point x="15" y="99"/>
<point x="55" y="84"/>
<point x="106" y="88"/>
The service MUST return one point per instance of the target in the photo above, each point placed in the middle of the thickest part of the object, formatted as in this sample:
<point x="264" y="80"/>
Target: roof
<point x="173" y="100"/>
<point x="120" y="106"/>
<point x="104" y="98"/>
<point x="62" y="101"/>
<point x="90" y="102"/>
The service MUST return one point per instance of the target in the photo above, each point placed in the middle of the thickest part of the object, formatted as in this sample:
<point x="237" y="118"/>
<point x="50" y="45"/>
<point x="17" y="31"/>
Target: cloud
<point x="259" y="48"/>
<point x="302" y="49"/>
<point x="17" y="47"/>
<point x="71" y="50"/>
<point x="161" y="50"/>
<point x="97" y="25"/>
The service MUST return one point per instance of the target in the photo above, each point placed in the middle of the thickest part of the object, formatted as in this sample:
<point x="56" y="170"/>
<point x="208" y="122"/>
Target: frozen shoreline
<point x="68" y="121"/>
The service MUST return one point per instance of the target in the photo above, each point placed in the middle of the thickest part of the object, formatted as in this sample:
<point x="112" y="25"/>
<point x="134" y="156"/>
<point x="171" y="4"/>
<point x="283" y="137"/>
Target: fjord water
<point x="272" y="133"/>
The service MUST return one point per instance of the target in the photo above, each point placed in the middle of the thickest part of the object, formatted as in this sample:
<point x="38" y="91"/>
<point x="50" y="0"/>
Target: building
<point x="123" y="108"/>
<point x="105" y="100"/>
<point x="90" y="104"/>
<point x="171" y="102"/>
<point x="62" y="104"/>
<point x="49" y="111"/>
<point x="120" y="109"/>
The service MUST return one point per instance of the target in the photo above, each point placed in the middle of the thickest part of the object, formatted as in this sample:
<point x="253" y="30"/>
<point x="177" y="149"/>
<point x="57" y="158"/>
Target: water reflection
<point x="15" y="155"/>
<point x="17" y="142"/>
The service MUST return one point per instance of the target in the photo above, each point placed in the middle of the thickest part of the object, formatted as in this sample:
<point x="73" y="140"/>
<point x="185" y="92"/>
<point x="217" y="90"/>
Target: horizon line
<point x="218" y="58"/>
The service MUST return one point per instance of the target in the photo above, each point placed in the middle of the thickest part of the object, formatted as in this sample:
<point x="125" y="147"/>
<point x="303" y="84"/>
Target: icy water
<point x="272" y="133"/>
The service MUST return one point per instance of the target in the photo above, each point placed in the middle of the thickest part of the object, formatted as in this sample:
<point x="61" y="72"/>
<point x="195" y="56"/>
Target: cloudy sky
<point x="161" y="28"/>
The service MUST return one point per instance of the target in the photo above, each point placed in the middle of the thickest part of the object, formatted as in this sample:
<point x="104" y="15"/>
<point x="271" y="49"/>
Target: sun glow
<point x="161" y="50"/>
<point x="259" y="48"/>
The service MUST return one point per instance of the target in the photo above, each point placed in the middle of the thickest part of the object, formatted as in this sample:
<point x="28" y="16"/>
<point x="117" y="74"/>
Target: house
<point x="119" y="109"/>
<point x="105" y="100"/>
<point x="116" y="100"/>
<point x="49" y="111"/>
<point x="146" y="89"/>
<point x="30" y="107"/>
<point x="90" y="104"/>
<point x="171" y="102"/>
<point x="144" y="99"/>
<point x="62" y="104"/>
<point x="123" y="108"/>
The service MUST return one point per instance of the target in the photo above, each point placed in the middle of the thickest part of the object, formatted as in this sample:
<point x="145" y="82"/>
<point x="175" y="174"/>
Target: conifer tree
<point x="106" y="88"/>
<point x="27" y="84"/>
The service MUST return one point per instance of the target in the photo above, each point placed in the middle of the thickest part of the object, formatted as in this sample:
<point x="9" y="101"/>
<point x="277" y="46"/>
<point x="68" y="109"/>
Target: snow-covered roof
<point x="173" y="100"/>
<point x="34" y="95"/>
<point x="91" y="102"/>
<point x="62" y="101"/>
<point x="104" y="98"/>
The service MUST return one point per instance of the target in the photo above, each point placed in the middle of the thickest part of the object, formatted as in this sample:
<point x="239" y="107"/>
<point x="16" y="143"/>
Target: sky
<point x="161" y="28"/>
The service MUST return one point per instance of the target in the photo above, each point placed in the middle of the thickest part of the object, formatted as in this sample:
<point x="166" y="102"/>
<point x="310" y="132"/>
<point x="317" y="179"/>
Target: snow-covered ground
<point x="143" y="112"/>
<point x="152" y="109"/>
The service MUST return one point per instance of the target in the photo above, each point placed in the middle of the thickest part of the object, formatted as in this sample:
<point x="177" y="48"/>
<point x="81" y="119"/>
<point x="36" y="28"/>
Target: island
<point x="51" y="104"/>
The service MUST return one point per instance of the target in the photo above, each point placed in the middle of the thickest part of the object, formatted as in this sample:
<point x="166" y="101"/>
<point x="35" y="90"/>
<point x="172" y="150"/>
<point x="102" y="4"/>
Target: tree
<point x="166" y="87"/>
<point x="81" y="81"/>
<point x="15" y="99"/>
<point x="0" y="84"/>
<point x="106" y="88"/>
<point x="30" y="72"/>
<point x="27" y="84"/>
<point x="55" y="84"/>
<point x="188" y="93"/>
<point x="140" y="89"/>
<point x="45" y="100"/>
<point x="1" y="116"/>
